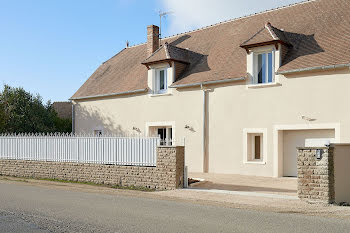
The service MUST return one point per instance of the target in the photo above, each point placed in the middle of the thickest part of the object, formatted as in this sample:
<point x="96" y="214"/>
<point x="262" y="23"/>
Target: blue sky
<point x="52" y="47"/>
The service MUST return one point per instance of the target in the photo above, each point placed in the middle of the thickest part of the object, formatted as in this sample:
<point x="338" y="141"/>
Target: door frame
<point x="278" y="141"/>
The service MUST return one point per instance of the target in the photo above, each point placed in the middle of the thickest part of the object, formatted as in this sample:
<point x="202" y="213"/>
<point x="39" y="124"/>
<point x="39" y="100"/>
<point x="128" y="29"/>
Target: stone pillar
<point x="170" y="162"/>
<point x="316" y="174"/>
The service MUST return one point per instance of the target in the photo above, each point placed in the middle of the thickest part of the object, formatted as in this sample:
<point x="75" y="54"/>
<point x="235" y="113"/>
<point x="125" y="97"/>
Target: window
<point x="161" y="81"/>
<point x="264" y="68"/>
<point x="255" y="147"/>
<point x="98" y="133"/>
<point x="165" y="135"/>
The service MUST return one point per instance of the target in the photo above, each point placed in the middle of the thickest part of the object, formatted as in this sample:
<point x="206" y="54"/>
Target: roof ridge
<point x="273" y="34"/>
<point x="241" y="17"/>
<point x="223" y="22"/>
<point x="135" y="45"/>
<point x="166" y="50"/>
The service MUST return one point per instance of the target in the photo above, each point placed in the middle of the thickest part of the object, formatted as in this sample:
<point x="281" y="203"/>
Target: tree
<point x="23" y="112"/>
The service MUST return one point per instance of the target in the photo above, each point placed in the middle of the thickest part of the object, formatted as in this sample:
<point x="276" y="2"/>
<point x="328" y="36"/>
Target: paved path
<point x="240" y="193"/>
<point x="25" y="208"/>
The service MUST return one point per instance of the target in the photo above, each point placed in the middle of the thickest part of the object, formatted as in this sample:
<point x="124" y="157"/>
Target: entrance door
<point x="296" y="138"/>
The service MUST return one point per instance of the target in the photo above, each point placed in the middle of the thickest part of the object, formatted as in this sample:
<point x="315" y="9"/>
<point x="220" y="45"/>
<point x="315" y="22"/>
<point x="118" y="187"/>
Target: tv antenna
<point x="162" y="14"/>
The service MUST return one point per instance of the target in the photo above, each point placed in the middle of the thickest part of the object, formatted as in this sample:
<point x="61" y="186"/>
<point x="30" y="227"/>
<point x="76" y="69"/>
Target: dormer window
<point x="264" y="68"/>
<point x="161" y="85"/>
<point x="264" y="51"/>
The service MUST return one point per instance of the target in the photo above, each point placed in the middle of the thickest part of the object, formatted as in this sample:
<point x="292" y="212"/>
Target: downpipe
<point x="204" y="135"/>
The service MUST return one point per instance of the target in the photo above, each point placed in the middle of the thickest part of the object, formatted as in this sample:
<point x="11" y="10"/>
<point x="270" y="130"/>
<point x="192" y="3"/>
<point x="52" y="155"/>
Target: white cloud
<point x="192" y="14"/>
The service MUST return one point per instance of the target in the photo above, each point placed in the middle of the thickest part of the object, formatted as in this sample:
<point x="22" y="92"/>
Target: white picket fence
<point x="136" y="151"/>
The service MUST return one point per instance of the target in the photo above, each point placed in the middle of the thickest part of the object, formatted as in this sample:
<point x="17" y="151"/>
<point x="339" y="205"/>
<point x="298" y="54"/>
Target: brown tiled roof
<point x="168" y="52"/>
<point x="319" y="32"/>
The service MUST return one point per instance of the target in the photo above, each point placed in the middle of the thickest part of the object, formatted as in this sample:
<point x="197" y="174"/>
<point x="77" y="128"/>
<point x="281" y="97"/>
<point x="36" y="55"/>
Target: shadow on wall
<point x="302" y="45"/>
<point x="89" y="119"/>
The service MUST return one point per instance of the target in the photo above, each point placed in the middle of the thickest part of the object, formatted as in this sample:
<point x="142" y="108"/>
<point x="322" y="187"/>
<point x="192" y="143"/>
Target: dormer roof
<point x="266" y="35"/>
<point x="168" y="52"/>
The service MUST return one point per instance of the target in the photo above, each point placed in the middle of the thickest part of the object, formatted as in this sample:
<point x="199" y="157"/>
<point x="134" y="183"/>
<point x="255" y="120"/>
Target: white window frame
<point x="248" y="134"/>
<point x="162" y="124"/>
<point x="255" y="67"/>
<point x="157" y="81"/>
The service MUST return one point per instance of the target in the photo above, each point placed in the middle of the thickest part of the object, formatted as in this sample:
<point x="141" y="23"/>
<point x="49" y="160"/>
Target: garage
<point x="296" y="138"/>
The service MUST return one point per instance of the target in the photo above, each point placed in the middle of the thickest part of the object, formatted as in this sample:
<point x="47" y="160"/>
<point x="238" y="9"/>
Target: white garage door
<point x="296" y="138"/>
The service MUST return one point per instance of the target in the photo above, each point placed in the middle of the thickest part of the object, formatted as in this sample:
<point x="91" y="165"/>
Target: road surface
<point x="25" y="208"/>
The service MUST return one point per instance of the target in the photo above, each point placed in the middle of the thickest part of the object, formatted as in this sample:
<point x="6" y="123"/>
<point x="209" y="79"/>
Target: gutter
<point x="330" y="67"/>
<point x="111" y="94"/>
<point x="208" y="82"/>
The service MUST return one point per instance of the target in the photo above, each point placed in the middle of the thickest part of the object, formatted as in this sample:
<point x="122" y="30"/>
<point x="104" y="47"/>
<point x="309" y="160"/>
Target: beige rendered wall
<point x="231" y="109"/>
<point x="118" y="115"/>
<point x="342" y="173"/>
<point x="320" y="96"/>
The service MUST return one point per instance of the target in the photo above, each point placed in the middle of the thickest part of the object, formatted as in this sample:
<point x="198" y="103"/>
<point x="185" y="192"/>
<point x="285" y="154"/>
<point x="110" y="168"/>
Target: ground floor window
<point x="254" y="144"/>
<point x="165" y="133"/>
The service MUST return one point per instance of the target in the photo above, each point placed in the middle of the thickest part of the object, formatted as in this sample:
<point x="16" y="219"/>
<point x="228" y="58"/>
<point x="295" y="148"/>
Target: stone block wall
<point x="316" y="176"/>
<point x="168" y="173"/>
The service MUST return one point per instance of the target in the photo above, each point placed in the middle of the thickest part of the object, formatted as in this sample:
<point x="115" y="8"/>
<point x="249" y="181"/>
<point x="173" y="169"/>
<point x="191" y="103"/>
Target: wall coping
<point x="313" y="148"/>
<point x="339" y="144"/>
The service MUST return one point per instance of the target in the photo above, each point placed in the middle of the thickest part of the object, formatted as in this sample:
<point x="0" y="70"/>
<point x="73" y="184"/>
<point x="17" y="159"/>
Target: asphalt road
<point x="25" y="208"/>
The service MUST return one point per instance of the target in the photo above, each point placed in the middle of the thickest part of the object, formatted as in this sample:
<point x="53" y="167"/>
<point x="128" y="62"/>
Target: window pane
<point x="257" y="147"/>
<point x="170" y="135"/>
<point x="161" y="80"/>
<point x="270" y="67"/>
<point x="263" y="65"/>
<point x="260" y="68"/>
<point x="162" y="135"/>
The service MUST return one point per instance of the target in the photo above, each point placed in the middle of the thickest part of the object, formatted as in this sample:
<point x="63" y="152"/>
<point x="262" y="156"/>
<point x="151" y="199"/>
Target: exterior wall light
<point x="136" y="129"/>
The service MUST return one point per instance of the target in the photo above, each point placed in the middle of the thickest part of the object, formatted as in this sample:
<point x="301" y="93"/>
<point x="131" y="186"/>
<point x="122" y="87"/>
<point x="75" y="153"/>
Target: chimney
<point x="152" y="39"/>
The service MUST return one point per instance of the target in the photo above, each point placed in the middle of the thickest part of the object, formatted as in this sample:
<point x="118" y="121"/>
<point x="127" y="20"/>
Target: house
<point x="244" y="93"/>
<point x="63" y="109"/>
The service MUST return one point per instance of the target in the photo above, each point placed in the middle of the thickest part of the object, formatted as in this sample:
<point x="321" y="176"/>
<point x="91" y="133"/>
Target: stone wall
<point x="316" y="176"/>
<point x="168" y="174"/>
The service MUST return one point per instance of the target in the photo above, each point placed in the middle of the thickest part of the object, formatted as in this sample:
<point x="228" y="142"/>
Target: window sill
<point x="255" y="162"/>
<point x="254" y="86"/>
<point x="161" y="94"/>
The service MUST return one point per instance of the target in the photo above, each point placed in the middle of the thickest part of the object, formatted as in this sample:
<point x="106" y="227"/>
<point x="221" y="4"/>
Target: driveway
<point x="242" y="183"/>
<point x="32" y="208"/>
